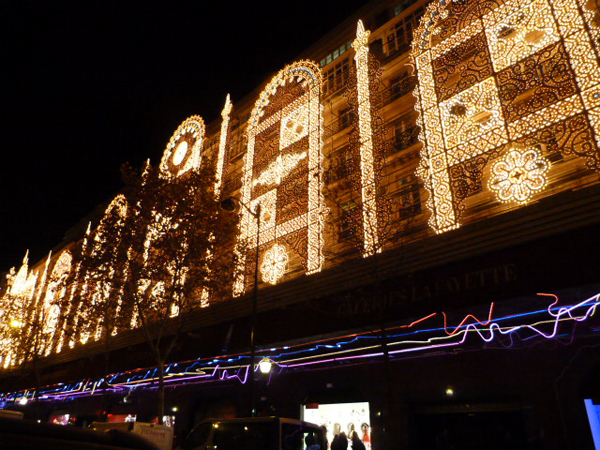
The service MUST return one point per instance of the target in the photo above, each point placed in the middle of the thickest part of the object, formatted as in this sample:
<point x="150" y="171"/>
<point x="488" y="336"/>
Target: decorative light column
<point x="368" y="187"/>
<point x="222" y="145"/>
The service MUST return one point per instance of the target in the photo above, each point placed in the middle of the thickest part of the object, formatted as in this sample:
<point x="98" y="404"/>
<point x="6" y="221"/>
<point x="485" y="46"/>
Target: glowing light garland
<point x="20" y="291"/>
<point x="494" y="75"/>
<point x="18" y="283"/>
<point x="78" y="278"/>
<point x="405" y="339"/>
<point x="51" y="307"/>
<point x="368" y="188"/>
<point x="101" y="289"/>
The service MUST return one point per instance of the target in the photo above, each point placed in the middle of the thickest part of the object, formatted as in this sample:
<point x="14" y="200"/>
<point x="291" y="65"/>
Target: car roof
<point x="19" y="434"/>
<point x="259" y="420"/>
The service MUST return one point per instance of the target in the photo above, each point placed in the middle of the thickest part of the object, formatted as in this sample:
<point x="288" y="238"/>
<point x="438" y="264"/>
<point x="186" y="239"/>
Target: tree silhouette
<point x="161" y="251"/>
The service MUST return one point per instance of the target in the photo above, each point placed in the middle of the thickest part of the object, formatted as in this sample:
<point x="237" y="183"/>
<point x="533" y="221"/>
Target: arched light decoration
<point x="183" y="151"/>
<point x="62" y="268"/>
<point x="274" y="264"/>
<point x="518" y="175"/>
<point x="59" y="272"/>
<point x="114" y="216"/>
<point x="30" y="285"/>
<point x="118" y="206"/>
<point x="282" y="169"/>
<point x="495" y="75"/>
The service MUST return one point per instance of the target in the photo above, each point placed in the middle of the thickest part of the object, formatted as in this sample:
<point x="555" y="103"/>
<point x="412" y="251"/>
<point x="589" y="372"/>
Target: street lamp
<point x="229" y="204"/>
<point x="265" y="365"/>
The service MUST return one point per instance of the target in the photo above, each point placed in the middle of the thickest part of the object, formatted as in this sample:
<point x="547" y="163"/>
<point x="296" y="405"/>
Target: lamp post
<point x="229" y="204"/>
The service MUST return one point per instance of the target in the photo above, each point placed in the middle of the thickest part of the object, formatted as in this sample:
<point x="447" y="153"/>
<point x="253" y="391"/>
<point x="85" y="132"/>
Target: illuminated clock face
<point x="180" y="152"/>
<point x="183" y="150"/>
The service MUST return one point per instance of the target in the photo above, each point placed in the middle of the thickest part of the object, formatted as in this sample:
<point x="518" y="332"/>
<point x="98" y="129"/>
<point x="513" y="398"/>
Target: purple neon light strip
<point x="241" y="372"/>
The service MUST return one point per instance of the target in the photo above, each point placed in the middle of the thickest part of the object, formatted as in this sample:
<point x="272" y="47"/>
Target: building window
<point x="402" y="85"/>
<point x="347" y="223"/>
<point x="405" y="133"/>
<point x="409" y="198"/>
<point x="336" y="53"/>
<point x="400" y="36"/>
<point x="236" y="149"/>
<point x="346" y="118"/>
<point x="336" y="77"/>
<point x="340" y="165"/>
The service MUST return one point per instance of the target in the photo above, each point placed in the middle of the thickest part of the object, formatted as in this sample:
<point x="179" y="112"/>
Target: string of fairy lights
<point x="428" y="333"/>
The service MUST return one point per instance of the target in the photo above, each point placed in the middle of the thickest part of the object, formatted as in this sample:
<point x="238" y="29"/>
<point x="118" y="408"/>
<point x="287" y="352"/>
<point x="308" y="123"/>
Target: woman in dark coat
<point x="357" y="444"/>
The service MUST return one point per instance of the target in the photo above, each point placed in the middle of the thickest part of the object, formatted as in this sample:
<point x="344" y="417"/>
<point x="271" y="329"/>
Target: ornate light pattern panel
<point x="282" y="174"/>
<point x="498" y="80"/>
<point x="183" y="152"/>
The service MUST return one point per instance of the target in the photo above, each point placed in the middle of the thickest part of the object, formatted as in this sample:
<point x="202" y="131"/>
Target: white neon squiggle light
<point x="349" y="348"/>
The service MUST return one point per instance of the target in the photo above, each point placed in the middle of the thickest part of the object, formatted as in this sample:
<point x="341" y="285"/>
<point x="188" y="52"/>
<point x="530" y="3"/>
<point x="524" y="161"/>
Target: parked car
<point x="258" y="433"/>
<point x="159" y="435"/>
<point x="20" y="434"/>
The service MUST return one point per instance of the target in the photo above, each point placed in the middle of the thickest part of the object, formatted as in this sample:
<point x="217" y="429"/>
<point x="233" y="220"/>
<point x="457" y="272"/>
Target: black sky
<point x="89" y="85"/>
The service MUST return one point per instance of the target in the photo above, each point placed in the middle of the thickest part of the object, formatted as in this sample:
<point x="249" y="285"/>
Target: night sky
<point x="89" y="85"/>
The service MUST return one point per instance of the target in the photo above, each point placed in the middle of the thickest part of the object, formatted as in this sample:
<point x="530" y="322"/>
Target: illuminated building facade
<point x="428" y="186"/>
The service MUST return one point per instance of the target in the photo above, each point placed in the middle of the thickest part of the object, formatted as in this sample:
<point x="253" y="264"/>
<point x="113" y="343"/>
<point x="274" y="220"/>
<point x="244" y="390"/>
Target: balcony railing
<point x="338" y="125"/>
<point x="337" y="173"/>
<point x="404" y="140"/>
<point x="398" y="89"/>
<point x="393" y="52"/>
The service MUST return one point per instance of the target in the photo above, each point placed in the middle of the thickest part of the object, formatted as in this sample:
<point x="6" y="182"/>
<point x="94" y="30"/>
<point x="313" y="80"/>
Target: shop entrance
<point x="469" y="428"/>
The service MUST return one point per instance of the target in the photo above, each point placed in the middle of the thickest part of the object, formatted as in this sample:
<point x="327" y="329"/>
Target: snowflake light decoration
<point x="518" y="175"/>
<point x="274" y="264"/>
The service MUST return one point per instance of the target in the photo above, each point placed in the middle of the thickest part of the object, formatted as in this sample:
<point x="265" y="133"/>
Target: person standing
<point x="357" y="444"/>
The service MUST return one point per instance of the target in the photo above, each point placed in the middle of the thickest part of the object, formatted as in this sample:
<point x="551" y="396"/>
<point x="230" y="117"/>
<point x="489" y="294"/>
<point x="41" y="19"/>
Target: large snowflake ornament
<point x="518" y="175"/>
<point x="274" y="264"/>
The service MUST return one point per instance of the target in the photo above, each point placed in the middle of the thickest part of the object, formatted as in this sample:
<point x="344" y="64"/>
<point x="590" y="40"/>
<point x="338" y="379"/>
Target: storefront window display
<point x="348" y="418"/>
